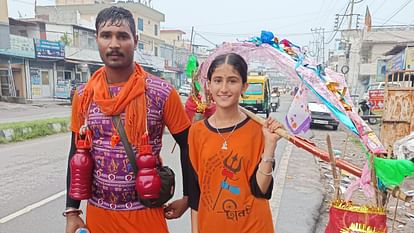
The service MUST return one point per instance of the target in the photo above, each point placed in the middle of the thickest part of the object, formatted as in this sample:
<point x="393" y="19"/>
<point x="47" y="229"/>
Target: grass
<point x="33" y="129"/>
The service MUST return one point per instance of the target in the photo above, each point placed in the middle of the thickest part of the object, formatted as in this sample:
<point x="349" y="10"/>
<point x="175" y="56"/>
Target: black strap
<point x="125" y="142"/>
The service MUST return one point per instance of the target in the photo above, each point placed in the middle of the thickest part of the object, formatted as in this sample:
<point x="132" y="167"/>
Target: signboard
<point x="396" y="63"/>
<point x="49" y="49"/>
<point x="409" y="58"/>
<point x="19" y="47"/>
<point x="381" y="70"/>
<point x="36" y="82"/>
<point x="376" y="100"/>
<point x="62" y="90"/>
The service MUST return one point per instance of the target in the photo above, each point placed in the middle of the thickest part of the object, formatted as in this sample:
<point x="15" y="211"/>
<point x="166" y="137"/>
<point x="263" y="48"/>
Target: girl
<point x="232" y="158"/>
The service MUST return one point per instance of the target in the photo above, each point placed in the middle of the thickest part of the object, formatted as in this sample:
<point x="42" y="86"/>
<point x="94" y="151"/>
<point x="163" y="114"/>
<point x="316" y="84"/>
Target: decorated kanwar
<point x="229" y="144"/>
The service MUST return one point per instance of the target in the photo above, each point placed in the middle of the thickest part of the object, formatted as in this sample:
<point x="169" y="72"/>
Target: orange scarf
<point x="130" y="99"/>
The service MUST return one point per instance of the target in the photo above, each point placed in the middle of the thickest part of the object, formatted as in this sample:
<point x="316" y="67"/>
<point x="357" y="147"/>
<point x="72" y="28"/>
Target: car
<point x="378" y="86"/>
<point x="184" y="90"/>
<point x="320" y="115"/>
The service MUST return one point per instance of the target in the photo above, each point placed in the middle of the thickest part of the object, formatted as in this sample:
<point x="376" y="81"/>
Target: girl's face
<point x="226" y="86"/>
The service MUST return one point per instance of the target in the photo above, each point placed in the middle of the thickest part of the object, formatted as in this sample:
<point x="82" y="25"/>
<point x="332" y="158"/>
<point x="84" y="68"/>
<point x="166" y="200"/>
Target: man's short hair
<point x="115" y="16"/>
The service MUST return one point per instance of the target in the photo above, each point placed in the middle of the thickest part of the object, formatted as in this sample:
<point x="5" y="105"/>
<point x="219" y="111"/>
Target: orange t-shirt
<point x="226" y="201"/>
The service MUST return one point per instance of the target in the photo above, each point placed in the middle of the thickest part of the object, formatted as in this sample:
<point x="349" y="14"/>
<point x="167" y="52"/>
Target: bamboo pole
<point x="336" y="179"/>
<point x="310" y="147"/>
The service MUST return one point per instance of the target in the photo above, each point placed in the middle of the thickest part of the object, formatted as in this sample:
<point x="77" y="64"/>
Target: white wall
<point x="55" y="31"/>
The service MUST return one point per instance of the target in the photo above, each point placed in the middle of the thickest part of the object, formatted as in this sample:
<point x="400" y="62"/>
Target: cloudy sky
<point x="216" y="21"/>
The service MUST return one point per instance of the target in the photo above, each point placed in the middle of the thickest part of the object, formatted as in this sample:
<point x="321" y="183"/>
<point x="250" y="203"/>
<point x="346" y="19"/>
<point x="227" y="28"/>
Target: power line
<point x="320" y="12"/>
<point x="209" y="41"/>
<point x="380" y="6"/>
<point x="397" y="11"/>
<point x="226" y="34"/>
<point x="340" y="24"/>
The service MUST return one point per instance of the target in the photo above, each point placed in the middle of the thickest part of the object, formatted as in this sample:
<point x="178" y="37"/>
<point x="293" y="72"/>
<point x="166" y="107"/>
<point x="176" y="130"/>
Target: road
<point x="29" y="112"/>
<point x="33" y="171"/>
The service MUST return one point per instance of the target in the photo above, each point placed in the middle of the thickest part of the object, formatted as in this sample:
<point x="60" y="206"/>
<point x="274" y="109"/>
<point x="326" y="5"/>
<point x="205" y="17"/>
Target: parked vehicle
<point x="257" y="96"/>
<point x="184" y="90"/>
<point x="320" y="115"/>
<point x="364" y="109"/>
<point x="74" y="86"/>
<point x="379" y="86"/>
<point x="274" y="102"/>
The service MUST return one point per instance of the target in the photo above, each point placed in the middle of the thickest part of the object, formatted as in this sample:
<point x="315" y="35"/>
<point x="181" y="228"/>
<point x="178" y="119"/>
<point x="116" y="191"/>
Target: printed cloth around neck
<point x="129" y="100"/>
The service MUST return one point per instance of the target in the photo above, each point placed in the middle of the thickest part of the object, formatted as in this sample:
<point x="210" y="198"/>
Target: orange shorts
<point x="150" y="220"/>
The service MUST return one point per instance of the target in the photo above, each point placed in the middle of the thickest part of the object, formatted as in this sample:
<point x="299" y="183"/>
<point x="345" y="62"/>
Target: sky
<point x="216" y="21"/>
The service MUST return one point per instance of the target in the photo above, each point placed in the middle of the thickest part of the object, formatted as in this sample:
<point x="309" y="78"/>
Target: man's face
<point x="116" y="44"/>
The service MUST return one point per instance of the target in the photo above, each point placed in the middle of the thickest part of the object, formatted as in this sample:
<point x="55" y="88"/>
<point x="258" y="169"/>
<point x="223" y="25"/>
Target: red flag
<point x="368" y="20"/>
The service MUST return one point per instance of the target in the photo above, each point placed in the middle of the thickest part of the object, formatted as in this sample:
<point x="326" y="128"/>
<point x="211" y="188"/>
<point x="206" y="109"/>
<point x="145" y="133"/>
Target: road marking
<point x="31" y="207"/>
<point x="280" y="182"/>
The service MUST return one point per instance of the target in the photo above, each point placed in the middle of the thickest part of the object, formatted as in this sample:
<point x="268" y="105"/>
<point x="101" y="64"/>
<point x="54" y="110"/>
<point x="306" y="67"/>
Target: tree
<point x="65" y="39"/>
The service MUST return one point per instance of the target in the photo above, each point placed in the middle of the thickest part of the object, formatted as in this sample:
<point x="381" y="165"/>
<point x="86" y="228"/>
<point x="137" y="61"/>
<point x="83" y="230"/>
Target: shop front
<point x="41" y="78"/>
<point x="13" y="67"/>
<point x="43" y="71"/>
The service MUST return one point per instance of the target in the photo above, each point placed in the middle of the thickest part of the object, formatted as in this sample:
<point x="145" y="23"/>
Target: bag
<point x="167" y="188"/>
<point x="166" y="174"/>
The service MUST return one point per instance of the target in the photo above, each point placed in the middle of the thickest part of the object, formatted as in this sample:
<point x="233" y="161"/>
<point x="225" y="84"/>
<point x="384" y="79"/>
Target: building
<point x="176" y="51"/>
<point x="148" y="20"/>
<point x="81" y="2"/>
<point x="365" y="50"/>
<point x="45" y="59"/>
<point x="56" y="50"/>
<point x="14" y="61"/>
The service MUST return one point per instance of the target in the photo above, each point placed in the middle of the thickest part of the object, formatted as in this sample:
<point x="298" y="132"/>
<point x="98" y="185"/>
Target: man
<point x="145" y="104"/>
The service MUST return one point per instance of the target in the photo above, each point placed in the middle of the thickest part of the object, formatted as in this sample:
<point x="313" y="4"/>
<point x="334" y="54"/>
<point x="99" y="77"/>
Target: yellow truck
<point x="257" y="96"/>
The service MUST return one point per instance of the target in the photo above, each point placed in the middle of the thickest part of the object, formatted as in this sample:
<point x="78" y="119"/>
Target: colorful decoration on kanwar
<point x="331" y="90"/>
<point x="348" y="217"/>
<point x="360" y="228"/>
<point x="195" y="107"/>
<point x="327" y="85"/>
<point x="298" y="115"/>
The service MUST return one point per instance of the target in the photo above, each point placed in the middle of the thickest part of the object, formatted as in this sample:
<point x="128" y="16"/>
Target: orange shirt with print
<point x="226" y="202"/>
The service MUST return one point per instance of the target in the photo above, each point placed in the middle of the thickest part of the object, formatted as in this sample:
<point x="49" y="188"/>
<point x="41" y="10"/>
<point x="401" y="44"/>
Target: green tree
<point x="65" y="39"/>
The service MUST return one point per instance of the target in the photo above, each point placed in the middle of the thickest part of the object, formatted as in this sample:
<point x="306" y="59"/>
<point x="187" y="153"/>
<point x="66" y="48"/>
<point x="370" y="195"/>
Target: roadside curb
<point x="279" y="182"/>
<point x="20" y="131"/>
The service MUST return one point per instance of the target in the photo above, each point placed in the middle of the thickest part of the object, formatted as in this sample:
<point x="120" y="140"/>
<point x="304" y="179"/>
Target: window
<point x="92" y="40"/>
<point x="45" y="77"/>
<point x="156" y="51"/>
<point x="140" y="46"/>
<point x="68" y="75"/>
<point x="254" y="89"/>
<point x="140" y="24"/>
<point x="156" y="29"/>
<point x="76" y="40"/>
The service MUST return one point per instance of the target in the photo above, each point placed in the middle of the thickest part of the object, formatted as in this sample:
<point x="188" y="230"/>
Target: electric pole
<point x="191" y="41"/>
<point x="320" y="44"/>
<point x="323" y="46"/>
<point x="351" y="14"/>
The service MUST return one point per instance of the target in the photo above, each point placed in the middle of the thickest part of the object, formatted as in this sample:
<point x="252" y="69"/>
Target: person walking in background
<point x="232" y="158"/>
<point x="145" y="104"/>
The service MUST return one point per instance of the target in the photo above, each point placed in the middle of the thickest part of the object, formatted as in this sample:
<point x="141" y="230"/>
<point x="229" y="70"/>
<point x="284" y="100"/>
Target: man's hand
<point x="176" y="208"/>
<point x="73" y="222"/>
